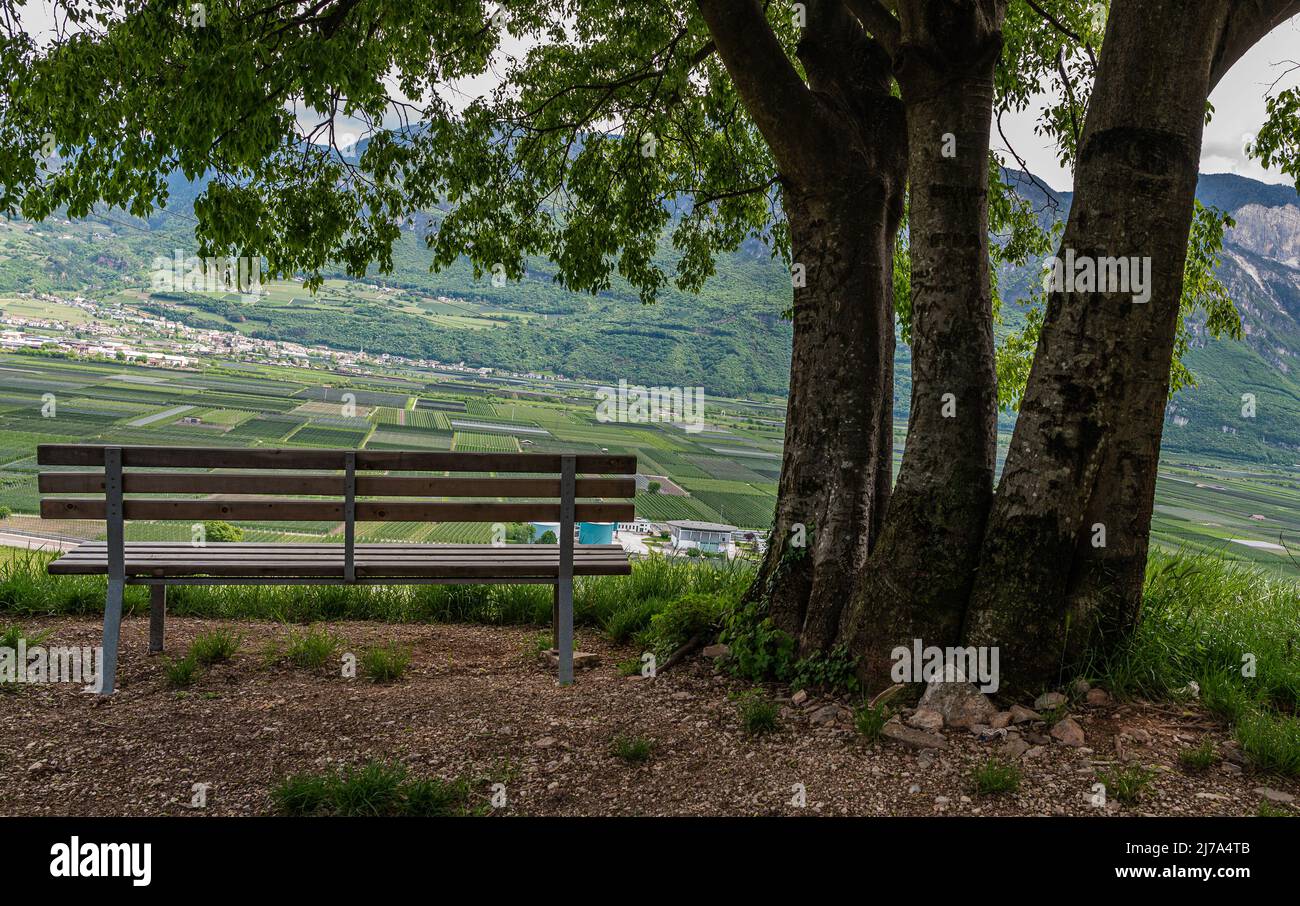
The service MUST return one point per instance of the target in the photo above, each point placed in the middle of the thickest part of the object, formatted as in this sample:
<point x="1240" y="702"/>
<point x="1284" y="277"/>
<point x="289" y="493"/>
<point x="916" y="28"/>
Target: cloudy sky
<point x="1238" y="112"/>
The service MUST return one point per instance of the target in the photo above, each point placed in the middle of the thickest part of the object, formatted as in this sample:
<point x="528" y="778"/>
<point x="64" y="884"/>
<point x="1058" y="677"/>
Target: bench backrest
<point x="278" y="475"/>
<point x="283" y="477"/>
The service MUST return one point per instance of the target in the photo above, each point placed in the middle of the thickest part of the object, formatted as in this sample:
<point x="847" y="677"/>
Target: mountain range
<point x="730" y="339"/>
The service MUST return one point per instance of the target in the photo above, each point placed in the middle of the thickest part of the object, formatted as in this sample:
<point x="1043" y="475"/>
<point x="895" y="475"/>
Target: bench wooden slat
<point x="163" y="559"/>
<point x="290" y="458"/>
<point x="288" y="548"/>
<point x="329" y="485"/>
<point x="282" y="510"/>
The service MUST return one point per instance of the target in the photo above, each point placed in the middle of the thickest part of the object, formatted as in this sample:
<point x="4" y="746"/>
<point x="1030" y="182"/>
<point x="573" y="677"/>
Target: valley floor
<point x="475" y="703"/>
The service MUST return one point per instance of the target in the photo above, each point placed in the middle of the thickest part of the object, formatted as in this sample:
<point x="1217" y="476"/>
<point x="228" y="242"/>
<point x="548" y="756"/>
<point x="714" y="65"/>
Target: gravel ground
<point x="476" y="704"/>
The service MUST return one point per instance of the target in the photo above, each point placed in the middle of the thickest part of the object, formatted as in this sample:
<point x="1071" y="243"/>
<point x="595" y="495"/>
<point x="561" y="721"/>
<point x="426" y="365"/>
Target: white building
<point x="711" y="537"/>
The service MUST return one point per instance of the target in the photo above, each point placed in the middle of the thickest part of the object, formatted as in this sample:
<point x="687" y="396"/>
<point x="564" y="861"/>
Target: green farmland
<point x="726" y="473"/>
<point x="224" y="404"/>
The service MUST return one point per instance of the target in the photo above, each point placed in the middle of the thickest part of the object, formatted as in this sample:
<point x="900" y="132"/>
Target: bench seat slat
<point x="418" y="560"/>
<point x="280" y="510"/>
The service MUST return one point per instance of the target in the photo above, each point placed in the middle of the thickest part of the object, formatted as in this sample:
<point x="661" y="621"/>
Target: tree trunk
<point x="839" y="142"/>
<point x="839" y="421"/>
<point x="918" y="579"/>
<point x="1067" y="539"/>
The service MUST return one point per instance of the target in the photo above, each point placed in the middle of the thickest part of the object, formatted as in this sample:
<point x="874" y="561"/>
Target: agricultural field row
<point x="1247" y="516"/>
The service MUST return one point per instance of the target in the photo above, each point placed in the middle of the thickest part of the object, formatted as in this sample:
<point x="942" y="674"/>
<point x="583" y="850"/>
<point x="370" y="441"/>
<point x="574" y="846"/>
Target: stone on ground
<point x="917" y="739"/>
<point x="1020" y="714"/>
<point x="1049" y="700"/>
<point x="926" y="719"/>
<point x="1068" y="732"/>
<point x="582" y="660"/>
<point x="960" y="702"/>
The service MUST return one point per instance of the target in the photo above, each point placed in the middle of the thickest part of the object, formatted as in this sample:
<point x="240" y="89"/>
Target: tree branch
<point x="879" y="22"/>
<point x="777" y="99"/>
<point x="1247" y="23"/>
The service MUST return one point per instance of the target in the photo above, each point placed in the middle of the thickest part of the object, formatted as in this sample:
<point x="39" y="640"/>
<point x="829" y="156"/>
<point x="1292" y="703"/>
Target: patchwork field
<point x="725" y="473"/>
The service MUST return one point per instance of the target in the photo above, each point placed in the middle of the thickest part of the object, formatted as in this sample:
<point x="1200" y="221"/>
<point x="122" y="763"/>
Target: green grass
<point x="870" y="722"/>
<point x="14" y="634"/>
<point x="632" y="749"/>
<point x="758" y="713"/>
<point x="385" y="663"/>
<point x="629" y="667"/>
<point x="624" y="624"/>
<point x="1200" y="757"/>
<point x="691" y="617"/>
<point x="1269" y="810"/>
<point x="311" y="648"/>
<point x="995" y="776"/>
<point x="1232" y="630"/>
<point x="1128" y="784"/>
<point x="27" y="590"/>
<point x="215" y="646"/>
<point x="180" y="673"/>
<point x="371" y="790"/>
<point x="10" y="638"/>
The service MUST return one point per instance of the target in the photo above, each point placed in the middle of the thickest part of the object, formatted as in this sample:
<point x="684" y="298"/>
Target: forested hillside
<point x="731" y="339"/>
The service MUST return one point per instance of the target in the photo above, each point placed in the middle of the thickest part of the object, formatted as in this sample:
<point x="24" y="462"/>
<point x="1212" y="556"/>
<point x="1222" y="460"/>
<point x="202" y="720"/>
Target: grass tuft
<point x="633" y="749"/>
<point x="215" y="646"/>
<point x="312" y="648"/>
<point x="996" y="776"/>
<point x="1128" y="784"/>
<point x="371" y="790"/>
<point x="386" y="663"/>
<point x="180" y="673"/>
<point x="1199" y="758"/>
<point x="870" y="722"/>
<point x="758" y="713"/>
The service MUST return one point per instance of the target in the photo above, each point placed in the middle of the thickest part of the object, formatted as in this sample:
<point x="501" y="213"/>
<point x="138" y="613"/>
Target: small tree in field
<point x="222" y="531"/>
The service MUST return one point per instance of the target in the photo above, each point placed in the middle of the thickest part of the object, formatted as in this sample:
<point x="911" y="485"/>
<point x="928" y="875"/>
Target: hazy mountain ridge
<point x="731" y="339"/>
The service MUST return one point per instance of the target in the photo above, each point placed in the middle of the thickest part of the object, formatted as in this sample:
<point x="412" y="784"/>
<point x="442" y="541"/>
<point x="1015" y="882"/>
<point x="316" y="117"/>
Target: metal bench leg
<point x="116" y="567"/>
<point x="564" y="585"/>
<point x="112" y="632"/>
<point x="565" y="642"/>
<point x="555" y="617"/>
<point x="157" y="617"/>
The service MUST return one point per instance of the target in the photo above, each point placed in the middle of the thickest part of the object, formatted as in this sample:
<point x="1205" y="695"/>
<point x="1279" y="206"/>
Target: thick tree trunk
<point x="840" y="145"/>
<point x="918" y="579"/>
<point x="839" y="422"/>
<point x="1067" y="539"/>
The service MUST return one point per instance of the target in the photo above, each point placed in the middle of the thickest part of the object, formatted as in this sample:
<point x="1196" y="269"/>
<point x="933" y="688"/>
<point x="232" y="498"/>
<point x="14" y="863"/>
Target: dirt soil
<point x="477" y="703"/>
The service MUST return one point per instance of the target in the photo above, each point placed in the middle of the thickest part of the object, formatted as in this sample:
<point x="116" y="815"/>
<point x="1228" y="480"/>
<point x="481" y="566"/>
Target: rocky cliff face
<point x="1261" y="269"/>
<point x="1273" y="232"/>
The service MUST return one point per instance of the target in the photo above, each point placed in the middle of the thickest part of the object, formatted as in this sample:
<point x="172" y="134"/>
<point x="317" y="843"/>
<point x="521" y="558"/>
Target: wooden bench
<point x="298" y="485"/>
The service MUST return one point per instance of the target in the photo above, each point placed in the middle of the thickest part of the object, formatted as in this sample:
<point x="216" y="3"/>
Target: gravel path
<point x="474" y="703"/>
